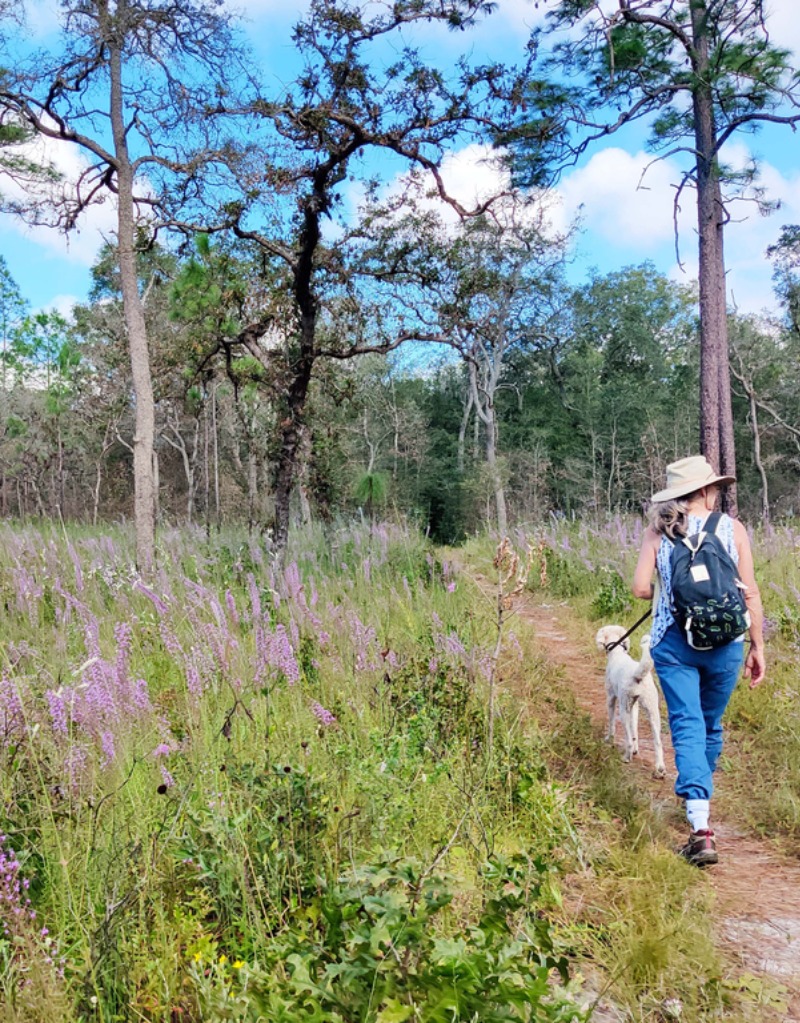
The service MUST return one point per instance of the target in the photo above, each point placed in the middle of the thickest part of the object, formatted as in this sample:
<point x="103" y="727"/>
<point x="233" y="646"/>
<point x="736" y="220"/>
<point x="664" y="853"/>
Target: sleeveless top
<point x="662" y="615"/>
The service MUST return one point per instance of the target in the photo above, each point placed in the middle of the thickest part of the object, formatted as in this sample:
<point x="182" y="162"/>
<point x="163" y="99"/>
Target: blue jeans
<point x="697" y="685"/>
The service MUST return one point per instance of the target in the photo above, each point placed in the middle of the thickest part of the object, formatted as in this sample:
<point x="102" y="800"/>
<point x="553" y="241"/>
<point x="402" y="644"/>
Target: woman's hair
<point x="670" y="518"/>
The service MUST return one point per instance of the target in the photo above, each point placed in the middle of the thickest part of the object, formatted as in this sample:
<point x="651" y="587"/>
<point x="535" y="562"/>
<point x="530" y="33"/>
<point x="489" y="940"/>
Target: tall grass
<point x="234" y="792"/>
<point x="237" y="792"/>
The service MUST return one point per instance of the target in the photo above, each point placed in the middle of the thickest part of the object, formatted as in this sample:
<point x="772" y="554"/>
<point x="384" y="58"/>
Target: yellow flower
<point x="223" y="959"/>
<point x="238" y="964"/>
<point x="198" y="956"/>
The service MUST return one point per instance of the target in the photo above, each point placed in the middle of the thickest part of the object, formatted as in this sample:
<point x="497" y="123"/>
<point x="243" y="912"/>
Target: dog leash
<point x="633" y="628"/>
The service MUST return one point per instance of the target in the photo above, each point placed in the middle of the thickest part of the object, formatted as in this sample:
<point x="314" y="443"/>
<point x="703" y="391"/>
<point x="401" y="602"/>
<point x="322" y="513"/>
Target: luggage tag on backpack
<point x="700" y="573"/>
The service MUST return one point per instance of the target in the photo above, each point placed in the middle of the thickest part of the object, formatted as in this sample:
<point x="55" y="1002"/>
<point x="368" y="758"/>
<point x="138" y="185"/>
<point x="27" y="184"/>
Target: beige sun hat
<point x="688" y="475"/>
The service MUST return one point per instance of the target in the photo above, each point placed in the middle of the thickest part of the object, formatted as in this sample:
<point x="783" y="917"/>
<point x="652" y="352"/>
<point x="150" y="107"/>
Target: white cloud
<point x="471" y="176"/>
<point x="41" y="17"/>
<point x="62" y="304"/>
<point x="626" y="223"/>
<point x="95" y="225"/>
<point x="251" y="10"/>
<point x="626" y="199"/>
<point x="783" y="24"/>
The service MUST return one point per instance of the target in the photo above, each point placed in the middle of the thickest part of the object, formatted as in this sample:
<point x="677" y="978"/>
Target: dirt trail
<point x="757" y="890"/>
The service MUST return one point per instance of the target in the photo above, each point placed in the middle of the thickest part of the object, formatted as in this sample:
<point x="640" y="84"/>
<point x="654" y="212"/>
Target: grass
<point x="197" y="770"/>
<point x="237" y="793"/>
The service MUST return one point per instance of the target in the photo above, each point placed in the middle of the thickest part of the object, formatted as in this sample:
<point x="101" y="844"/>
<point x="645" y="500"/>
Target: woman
<point x="697" y="684"/>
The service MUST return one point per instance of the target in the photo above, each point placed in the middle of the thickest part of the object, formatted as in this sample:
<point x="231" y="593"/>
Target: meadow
<point x="346" y="790"/>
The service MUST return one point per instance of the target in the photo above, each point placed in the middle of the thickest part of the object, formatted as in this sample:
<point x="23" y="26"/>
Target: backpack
<point x="707" y="593"/>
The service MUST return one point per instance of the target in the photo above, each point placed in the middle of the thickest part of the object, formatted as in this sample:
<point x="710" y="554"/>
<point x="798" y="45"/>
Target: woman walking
<point x="697" y="683"/>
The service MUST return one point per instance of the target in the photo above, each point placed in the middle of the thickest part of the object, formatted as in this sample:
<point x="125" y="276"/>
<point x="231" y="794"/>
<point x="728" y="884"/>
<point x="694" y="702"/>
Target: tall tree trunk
<point x="716" y="415"/>
<point x="60" y="473"/>
<point x="752" y="400"/>
<point x="303" y="364"/>
<point x="494" y="469"/>
<point x="303" y="487"/>
<point x="252" y="489"/>
<point x="144" y="513"/>
<point x="757" y="456"/>
<point x="98" y="480"/>
<point x="483" y="399"/>
<point x="207" y="469"/>
<point x="287" y="456"/>
<point x="215" y="434"/>
<point x="462" y="431"/>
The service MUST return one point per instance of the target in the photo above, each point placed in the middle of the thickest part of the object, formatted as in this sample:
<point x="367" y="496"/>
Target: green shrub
<point x="613" y="597"/>
<point x="369" y="948"/>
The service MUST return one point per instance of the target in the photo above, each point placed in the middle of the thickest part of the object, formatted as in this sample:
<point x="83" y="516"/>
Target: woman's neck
<point x="698" y="508"/>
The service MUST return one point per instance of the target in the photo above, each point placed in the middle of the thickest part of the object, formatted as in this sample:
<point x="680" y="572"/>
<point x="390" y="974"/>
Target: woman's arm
<point x="646" y="565"/>
<point x="755" y="667"/>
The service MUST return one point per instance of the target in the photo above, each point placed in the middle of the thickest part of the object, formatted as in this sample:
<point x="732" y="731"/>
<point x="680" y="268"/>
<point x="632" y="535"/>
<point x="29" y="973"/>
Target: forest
<point x="313" y="503"/>
<point x="585" y="396"/>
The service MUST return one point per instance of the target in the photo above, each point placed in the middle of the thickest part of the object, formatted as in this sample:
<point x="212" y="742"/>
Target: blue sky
<point x="624" y="219"/>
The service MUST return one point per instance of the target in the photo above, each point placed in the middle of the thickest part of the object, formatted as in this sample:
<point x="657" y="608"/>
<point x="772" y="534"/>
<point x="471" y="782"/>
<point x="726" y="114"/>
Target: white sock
<point x="697" y="811"/>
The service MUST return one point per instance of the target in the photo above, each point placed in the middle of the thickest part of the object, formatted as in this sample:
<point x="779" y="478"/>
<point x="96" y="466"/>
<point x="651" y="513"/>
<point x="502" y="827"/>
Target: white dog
<point x="628" y="685"/>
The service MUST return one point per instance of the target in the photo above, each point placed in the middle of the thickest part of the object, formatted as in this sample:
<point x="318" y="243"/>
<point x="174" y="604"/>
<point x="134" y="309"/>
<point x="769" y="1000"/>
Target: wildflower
<point x="198" y="956"/>
<point x="107" y="742"/>
<point x="451" y="587"/>
<point x="324" y="716"/>
<point x="237" y="964"/>
<point x="157" y="602"/>
<point x="223" y="959"/>
<point x="230" y="602"/>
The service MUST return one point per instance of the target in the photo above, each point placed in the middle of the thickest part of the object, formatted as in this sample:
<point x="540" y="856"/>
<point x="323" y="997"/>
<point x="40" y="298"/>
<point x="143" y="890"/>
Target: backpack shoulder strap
<point x="711" y="525"/>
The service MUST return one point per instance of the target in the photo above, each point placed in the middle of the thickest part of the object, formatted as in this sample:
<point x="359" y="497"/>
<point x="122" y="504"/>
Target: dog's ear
<point x="601" y="638"/>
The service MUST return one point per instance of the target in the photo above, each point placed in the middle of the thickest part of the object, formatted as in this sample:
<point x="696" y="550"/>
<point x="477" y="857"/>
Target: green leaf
<point x="394" y="1011"/>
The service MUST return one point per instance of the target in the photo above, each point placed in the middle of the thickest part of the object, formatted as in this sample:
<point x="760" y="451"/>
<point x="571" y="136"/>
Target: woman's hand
<point x="755" y="667"/>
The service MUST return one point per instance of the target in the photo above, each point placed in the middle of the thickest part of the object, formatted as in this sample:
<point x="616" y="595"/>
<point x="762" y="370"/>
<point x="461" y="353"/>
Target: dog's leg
<point x="611" y="703"/>
<point x="635" y="727"/>
<point x="626" y="713"/>
<point x="654" y="717"/>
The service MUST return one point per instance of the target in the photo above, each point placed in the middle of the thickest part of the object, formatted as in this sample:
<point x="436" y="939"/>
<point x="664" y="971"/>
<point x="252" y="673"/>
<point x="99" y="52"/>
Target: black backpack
<point x="707" y="594"/>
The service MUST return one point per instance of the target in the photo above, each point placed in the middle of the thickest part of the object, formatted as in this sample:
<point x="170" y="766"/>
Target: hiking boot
<point x="701" y="849"/>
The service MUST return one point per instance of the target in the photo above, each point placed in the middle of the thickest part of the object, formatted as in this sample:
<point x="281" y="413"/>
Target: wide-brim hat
<point x="688" y="475"/>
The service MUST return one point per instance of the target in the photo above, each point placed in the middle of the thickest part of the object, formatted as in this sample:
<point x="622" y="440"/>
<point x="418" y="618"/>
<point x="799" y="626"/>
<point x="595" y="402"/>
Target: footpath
<point x="757" y="890"/>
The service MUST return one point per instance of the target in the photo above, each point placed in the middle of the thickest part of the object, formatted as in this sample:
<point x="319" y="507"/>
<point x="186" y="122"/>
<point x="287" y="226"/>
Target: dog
<point x="628" y="685"/>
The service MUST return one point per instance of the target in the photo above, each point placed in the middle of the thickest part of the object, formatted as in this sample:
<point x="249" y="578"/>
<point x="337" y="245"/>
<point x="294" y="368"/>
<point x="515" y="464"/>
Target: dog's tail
<point x="645" y="662"/>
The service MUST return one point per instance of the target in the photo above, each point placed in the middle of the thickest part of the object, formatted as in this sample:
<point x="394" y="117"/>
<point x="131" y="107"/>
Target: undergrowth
<point x="238" y="792"/>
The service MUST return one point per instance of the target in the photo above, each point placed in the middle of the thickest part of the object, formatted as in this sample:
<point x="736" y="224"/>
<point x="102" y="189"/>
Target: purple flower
<point x="157" y="602"/>
<point x="107" y="742"/>
<point x="194" y="683"/>
<point x="325" y="717"/>
<point x="58" y="710"/>
<point x="255" y="597"/>
<point x="230" y="601"/>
